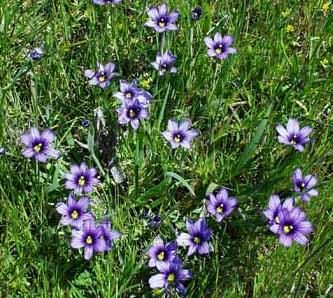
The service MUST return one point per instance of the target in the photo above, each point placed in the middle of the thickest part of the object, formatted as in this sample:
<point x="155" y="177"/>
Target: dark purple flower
<point x="197" y="237"/>
<point x="180" y="134"/>
<point x="102" y="76"/>
<point x="220" y="47"/>
<point x="85" y="123"/>
<point x="293" y="226"/>
<point x="196" y="13"/>
<point x="305" y="185"/>
<point x="293" y="135"/>
<point x="155" y="221"/>
<point x="108" y="234"/>
<point x="132" y="111"/>
<point x="164" y="63"/>
<point x="274" y="207"/>
<point x="81" y="178"/>
<point x="90" y="238"/>
<point x="38" y="144"/>
<point x="172" y="275"/>
<point x="74" y="213"/>
<point x="160" y="254"/>
<point x="160" y="18"/>
<point x="104" y="2"/>
<point x="36" y="54"/>
<point x="221" y="205"/>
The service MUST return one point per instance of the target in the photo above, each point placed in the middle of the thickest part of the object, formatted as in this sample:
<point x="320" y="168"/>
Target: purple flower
<point x="221" y="205"/>
<point x="272" y="212"/>
<point x="196" y="13"/>
<point x="164" y="63"/>
<point x="197" y="237"/>
<point x="220" y="47"/>
<point x="305" y="185"/>
<point x="161" y="254"/>
<point x="104" y="2"/>
<point x="81" y="178"/>
<point x="171" y="275"/>
<point x="36" y="54"/>
<point x="89" y="237"/>
<point x="74" y="213"/>
<point x="160" y="18"/>
<point x="102" y="76"/>
<point x="180" y="134"/>
<point x="130" y="91"/>
<point x="293" y="135"/>
<point x="293" y="226"/>
<point x="108" y="234"/>
<point x="38" y="145"/>
<point x="132" y="111"/>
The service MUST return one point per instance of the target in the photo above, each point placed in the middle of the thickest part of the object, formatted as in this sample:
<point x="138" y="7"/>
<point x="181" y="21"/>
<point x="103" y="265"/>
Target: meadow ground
<point x="282" y="69"/>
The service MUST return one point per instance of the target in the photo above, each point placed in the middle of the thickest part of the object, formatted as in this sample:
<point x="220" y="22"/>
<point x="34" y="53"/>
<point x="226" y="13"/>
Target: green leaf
<point x="182" y="181"/>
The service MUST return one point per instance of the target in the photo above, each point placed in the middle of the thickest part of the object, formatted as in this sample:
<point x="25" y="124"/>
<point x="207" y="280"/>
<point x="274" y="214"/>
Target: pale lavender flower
<point x="132" y="111"/>
<point x="102" y="76"/>
<point x="171" y="275"/>
<point x="165" y="63"/>
<point x="221" y="205"/>
<point x="293" y="135"/>
<point x="74" y="212"/>
<point x="90" y="238"/>
<point x="81" y="178"/>
<point x="180" y="134"/>
<point x="293" y="227"/>
<point x="108" y="234"/>
<point x="160" y="18"/>
<point x="161" y="254"/>
<point x="220" y="47"/>
<point x="304" y="185"/>
<point x="197" y="237"/>
<point x="38" y="145"/>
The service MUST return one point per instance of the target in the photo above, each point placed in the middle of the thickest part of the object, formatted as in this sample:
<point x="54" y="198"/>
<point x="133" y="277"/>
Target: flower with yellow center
<point x="219" y="209"/>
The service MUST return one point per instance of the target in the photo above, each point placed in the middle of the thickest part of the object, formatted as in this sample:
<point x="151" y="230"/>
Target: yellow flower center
<point x="38" y="147"/>
<point x="101" y="78"/>
<point x="132" y="113"/>
<point x="128" y="95"/>
<point x="197" y="240"/>
<point x="288" y="229"/>
<point x="161" y="255"/>
<point x="218" y="51"/>
<point x="171" y="277"/>
<point x="219" y="209"/>
<point x="177" y="138"/>
<point x="82" y="181"/>
<point x="89" y="240"/>
<point x="303" y="185"/>
<point x="161" y="23"/>
<point x="75" y="214"/>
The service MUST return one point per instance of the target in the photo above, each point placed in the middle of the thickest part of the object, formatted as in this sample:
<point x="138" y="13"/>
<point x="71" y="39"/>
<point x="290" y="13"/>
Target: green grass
<point x="235" y="105"/>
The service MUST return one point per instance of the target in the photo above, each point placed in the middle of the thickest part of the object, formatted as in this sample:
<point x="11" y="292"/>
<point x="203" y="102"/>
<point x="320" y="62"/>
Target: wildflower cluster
<point x="171" y="274"/>
<point x="285" y="219"/>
